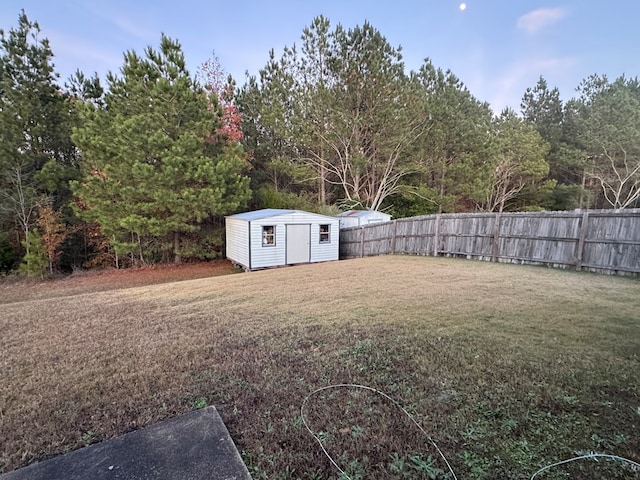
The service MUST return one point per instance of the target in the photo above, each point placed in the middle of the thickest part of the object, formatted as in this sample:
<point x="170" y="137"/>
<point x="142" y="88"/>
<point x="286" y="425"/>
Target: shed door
<point x="298" y="244"/>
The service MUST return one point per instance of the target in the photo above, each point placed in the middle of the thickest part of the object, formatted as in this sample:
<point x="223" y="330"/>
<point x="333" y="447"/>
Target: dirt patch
<point x="104" y="280"/>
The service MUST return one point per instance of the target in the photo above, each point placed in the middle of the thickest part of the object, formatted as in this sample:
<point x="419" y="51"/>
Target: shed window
<point x="268" y="236"/>
<point x="325" y="233"/>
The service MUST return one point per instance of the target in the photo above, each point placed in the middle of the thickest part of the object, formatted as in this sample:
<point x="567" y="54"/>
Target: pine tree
<point x="519" y="161"/>
<point x="27" y="91"/>
<point x="37" y="157"/>
<point x="153" y="170"/>
<point x="53" y="234"/>
<point x="541" y="106"/>
<point x="342" y="109"/>
<point x="34" y="263"/>
<point x="453" y="171"/>
<point x="8" y="254"/>
<point x="610" y="132"/>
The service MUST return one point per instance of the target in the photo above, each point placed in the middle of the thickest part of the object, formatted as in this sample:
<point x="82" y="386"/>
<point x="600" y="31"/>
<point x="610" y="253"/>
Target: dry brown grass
<point x="509" y="367"/>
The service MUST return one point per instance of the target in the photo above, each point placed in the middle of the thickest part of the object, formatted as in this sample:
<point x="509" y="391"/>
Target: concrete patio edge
<point x="193" y="446"/>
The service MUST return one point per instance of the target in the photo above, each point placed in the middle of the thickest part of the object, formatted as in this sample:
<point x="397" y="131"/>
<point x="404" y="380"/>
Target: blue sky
<point x="498" y="48"/>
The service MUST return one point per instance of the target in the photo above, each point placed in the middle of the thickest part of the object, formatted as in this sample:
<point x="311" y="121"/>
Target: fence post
<point x="436" y="237"/>
<point x="496" y="239"/>
<point x="362" y="243"/>
<point x="581" y="238"/>
<point x="393" y="238"/>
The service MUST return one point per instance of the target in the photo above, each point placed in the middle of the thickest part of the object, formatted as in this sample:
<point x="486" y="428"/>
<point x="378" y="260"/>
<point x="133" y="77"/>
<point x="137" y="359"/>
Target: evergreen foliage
<point x="542" y="107"/>
<point x="156" y="158"/>
<point x="610" y="132"/>
<point x="341" y="120"/>
<point x="28" y="107"/>
<point x="454" y="163"/>
<point x="153" y="169"/>
<point x="37" y="157"/>
<point x="8" y="255"/>
<point x="519" y="162"/>
<point x="35" y="261"/>
<point x="54" y="232"/>
<point x="338" y="111"/>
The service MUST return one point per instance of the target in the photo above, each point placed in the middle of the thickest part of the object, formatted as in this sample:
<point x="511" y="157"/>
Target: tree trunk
<point x="323" y="186"/>
<point x="583" y="185"/>
<point x="140" y="249"/>
<point x="177" y="258"/>
<point x="442" y="191"/>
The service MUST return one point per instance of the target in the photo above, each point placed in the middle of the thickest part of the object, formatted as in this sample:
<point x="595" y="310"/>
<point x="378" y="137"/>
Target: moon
<point x="463" y="6"/>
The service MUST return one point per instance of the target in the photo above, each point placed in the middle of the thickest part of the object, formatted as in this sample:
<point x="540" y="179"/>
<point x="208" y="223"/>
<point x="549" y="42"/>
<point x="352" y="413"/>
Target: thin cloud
<point x="541" y="18"/>
<point x="129" y="21"/>
<point x="523" y="74"/>
<point x="80" y="48"/>
<point x="132" y="28"/>
<point x="80" y="54"/>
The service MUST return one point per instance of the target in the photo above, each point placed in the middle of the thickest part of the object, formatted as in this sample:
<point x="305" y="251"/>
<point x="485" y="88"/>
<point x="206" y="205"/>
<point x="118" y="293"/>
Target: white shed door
<point x="298" y="244"/>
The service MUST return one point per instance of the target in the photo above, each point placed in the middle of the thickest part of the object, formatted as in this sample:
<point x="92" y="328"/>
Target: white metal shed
<point x="273" y="238"/>
<point x="356" y="218"/>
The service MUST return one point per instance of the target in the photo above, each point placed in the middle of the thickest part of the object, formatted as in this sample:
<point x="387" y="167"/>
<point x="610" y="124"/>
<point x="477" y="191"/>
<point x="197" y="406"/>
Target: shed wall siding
<point x="274" y="256"/>
<point x="237" y="241"/>
<point x="320" y="252"/>
<point x="324" y="252"/>
<point x="267" y="256"/>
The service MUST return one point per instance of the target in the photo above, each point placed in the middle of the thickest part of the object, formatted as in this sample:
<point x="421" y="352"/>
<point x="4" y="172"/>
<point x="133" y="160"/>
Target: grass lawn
<point x="507" y="368"/>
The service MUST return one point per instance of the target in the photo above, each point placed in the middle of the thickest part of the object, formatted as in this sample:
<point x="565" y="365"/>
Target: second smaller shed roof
<point x="363" y="213"/>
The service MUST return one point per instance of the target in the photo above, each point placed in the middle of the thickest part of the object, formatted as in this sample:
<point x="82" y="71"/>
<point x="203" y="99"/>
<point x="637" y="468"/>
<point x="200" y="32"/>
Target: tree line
<point x="144" y="169"/>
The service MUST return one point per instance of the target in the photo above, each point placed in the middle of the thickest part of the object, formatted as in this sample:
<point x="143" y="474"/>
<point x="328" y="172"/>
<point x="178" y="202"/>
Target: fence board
<point x="606" y="241"/>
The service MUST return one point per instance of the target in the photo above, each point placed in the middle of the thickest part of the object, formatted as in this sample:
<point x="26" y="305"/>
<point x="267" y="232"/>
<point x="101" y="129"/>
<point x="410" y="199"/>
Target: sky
<point x="497" y="48"/>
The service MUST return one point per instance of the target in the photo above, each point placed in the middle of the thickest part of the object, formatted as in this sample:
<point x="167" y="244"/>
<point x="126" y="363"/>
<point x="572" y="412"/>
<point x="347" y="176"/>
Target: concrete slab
<point x="194" y="446"/>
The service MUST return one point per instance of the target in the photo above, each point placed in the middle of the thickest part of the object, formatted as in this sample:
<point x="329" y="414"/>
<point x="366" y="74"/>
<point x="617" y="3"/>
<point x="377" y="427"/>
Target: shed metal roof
<point x="268" y="213"/>
<point x="260" y="214"/>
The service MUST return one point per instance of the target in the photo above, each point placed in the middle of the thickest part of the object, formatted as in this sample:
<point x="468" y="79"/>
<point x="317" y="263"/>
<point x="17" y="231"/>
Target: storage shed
<point x="273" y="238"/>
<point x="356" y="218"/>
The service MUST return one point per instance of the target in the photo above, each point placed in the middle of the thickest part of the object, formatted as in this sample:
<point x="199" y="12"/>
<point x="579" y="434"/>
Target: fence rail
<point x="605" y="241"/>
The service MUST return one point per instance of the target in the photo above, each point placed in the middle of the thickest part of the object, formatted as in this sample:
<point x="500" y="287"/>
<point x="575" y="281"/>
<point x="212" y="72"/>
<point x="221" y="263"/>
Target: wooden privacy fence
<point x="606" y="241"/>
